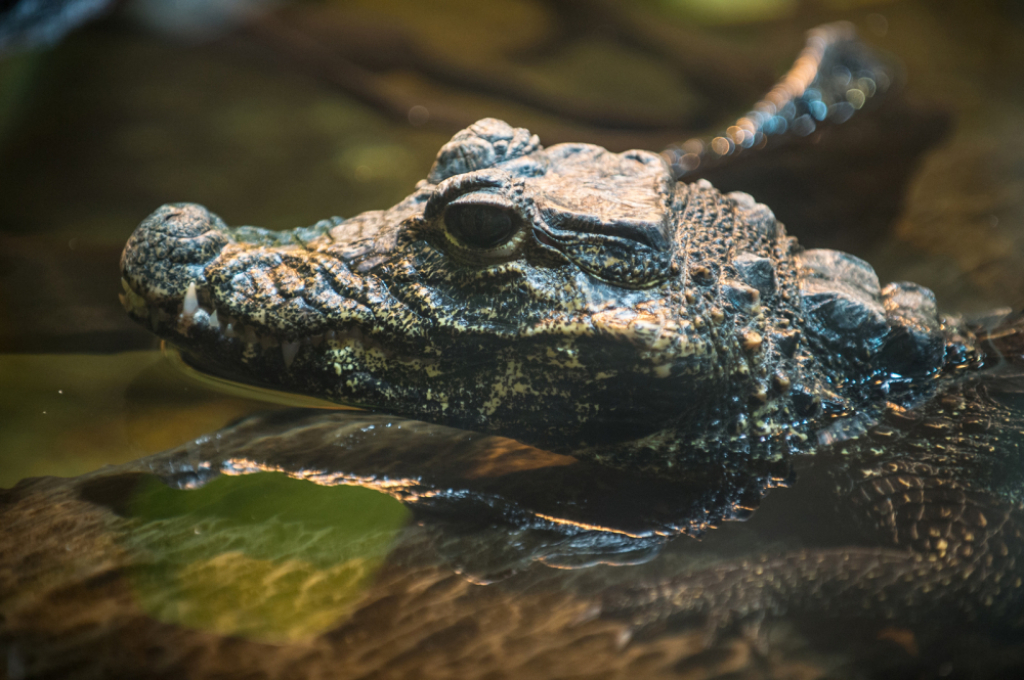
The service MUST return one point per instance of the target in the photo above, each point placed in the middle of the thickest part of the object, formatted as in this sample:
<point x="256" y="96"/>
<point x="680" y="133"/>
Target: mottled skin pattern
<point x="584" y="302"/>
<point x="673" y="339"/>
<point x="943" y="483"/>
<point x="569" y="297"/>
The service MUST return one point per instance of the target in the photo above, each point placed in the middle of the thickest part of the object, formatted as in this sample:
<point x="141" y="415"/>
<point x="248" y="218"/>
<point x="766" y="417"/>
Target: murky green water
<point x="120" y="118"/>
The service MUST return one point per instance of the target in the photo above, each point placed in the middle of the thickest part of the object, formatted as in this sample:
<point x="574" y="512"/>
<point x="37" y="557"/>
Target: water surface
<point x="120" y="117"/>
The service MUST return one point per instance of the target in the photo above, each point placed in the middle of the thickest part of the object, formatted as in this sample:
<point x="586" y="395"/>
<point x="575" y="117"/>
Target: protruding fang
<point x="288" y="350"/>
<point x="191" y="303"/>
<point x="228" y="326"/>
<point x="214" y="321"/>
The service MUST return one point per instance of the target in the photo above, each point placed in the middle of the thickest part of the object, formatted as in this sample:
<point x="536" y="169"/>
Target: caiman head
<point x="566" y="296"/>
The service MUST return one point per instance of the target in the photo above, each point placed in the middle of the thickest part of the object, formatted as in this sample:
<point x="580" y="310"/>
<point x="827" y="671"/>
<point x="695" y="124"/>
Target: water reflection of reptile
<point x="671" y="337"/>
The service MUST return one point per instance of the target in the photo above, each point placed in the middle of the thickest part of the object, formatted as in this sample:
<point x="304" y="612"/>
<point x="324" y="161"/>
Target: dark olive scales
<point x="569" y="297"/>
<point x="585" y="302"/>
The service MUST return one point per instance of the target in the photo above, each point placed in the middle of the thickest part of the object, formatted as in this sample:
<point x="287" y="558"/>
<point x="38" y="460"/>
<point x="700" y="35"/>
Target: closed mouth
<point x="197" y="311"/>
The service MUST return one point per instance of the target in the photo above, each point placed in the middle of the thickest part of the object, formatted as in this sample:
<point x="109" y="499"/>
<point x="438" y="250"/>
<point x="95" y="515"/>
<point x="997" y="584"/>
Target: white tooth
<point x="289" y="350"/>
<point x="229" y="331"/>
<point x="191" y="303"/>
<point x="214" y="321"/>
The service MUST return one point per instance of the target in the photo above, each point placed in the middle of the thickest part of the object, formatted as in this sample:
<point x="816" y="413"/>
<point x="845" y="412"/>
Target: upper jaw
<point x="183" y="269"/>
<point x="186" y="275"/>
<point x="169" y="251"/>
<point x="195" y="281"/>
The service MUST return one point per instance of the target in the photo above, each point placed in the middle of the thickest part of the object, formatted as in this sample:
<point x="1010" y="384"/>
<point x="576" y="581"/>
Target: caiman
<point x="671" y="337"/>
<point x="572" y="298"/>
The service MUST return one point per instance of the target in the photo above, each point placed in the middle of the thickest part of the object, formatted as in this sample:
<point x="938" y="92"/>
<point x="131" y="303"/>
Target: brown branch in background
<point x="349" y="54"/>
<point x="325" y="64"/>
<point x="717" y="71"/>
<point x="848" y="175"/>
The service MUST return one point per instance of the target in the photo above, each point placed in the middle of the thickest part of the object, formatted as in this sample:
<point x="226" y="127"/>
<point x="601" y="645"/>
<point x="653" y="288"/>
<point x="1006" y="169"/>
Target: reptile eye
<point x="480" y="226"/>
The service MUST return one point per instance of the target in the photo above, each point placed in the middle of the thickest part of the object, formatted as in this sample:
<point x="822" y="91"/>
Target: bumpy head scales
<point x="567" y="296"/>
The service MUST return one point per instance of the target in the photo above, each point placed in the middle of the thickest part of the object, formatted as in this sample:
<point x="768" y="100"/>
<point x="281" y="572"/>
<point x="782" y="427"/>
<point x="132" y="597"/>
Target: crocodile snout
<point x="169" y="251"/>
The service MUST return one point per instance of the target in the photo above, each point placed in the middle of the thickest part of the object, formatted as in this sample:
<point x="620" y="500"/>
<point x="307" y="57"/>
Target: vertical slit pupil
<point x="480" y="226"/>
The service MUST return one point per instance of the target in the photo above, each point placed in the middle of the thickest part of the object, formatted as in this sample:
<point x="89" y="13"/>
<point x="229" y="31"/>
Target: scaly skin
<point x="615" y="315"/>
<point x="649" y="325"/>
<point x="584" y="302"/>
<point x="568" y="297"/>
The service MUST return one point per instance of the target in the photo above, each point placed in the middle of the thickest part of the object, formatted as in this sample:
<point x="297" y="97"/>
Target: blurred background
<point x="279" y="114"/>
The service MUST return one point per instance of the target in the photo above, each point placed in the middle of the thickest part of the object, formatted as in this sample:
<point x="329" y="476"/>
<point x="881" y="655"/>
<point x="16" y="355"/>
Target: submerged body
<point x="672" y="338"/>
<point x="585" y="302"/>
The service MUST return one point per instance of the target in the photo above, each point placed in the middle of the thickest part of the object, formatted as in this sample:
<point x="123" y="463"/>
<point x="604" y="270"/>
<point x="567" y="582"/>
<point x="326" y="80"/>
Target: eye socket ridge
<point x="481" y="224"/>
<point x="568" y="226"/>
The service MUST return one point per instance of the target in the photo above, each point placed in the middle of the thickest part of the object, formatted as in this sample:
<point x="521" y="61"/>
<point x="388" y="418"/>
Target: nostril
<point x="170" y="249"/>
<point x="184" y="232"/>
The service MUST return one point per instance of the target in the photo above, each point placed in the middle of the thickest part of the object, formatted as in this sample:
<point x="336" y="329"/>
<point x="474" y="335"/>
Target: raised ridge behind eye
<point x="480" y="226"/>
